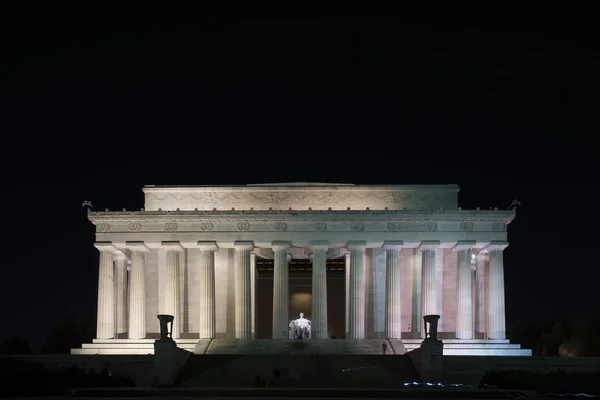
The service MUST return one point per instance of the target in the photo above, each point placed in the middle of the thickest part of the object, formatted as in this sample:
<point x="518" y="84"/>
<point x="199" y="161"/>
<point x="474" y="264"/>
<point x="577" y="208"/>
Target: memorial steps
<point x="452" y="347"/>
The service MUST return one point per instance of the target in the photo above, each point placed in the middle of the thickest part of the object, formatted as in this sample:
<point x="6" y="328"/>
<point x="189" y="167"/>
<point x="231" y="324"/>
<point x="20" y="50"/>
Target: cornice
<point x="303" y="215"/>
<point x="463" y="221"/>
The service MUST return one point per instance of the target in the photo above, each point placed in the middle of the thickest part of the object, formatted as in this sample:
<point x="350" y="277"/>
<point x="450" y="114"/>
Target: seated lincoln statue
<point x="300" y="328"/>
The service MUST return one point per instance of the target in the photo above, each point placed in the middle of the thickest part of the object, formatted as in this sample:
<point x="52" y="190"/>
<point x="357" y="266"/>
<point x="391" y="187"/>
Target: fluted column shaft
<point x="464" y="294"/>
<point x="121" y="285"/>
<point x="137" y="293"/>
<point x="208" y="320"/>
<point x="496" y="310"/>
<point x="243" y="300"/>
<point x="172" y="304"/>
<point x="393" y="306"/>
<point x="319" y="328"/>
<point x="105" y="328"/>
<point x="253" y="292"/>
<point x="480" y="274"/>
<point x="280" y="290"/>
<point x="428" y="281"/>
<point x="356" y="311"/>
<point x="347" y="292"/>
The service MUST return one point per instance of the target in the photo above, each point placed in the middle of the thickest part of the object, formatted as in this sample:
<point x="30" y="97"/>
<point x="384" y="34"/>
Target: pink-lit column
<point x="428" y="280"/>
<point x="496" y="310"/>
<point x="105" y="324"/>
<point x="356" y="309"/>
<point x="280" y="290"/>
<point x="464" y="293"/>
<point x="480" y="305"/>
<point x="137" y="290"/>
<point x="347" y="291"/>
<point x="121" y="286"/>
<point x="319" y="329"/>
<point x="393" y="306"/>
<point x="243" y="298"/>
<point x="208" y="325"/>
<point x="172" y="284"/>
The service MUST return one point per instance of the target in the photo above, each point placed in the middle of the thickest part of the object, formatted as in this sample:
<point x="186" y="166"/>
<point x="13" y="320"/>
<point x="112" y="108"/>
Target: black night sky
<point x="98" y="105"/>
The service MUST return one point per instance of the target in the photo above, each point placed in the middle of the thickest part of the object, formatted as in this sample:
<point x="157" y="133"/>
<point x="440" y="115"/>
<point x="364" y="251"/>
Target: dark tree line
<point x="579" y="338"/>
<point x="67" y="334"/>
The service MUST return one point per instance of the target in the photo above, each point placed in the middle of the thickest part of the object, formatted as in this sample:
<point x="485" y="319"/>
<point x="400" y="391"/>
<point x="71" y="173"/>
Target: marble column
<point x="464" y="290"/>
<point x="208" y="319"/>
<point x="105" y="328"/>
<point x="356" y="309"/>
<point x="480" y="303"/>
<point x="243" y="298"/>
<point x="172" y="302"/>
<point x="319" y="328"/>
<point x="347" y="292"/>
<point x="137" y="290"/>
<point x="393" y="306"/>
<point x="121" y="286"/>
<point x="496" y="310"/>
<point x="280" y="290"/>
<point x="253" y="292"/>
<point x="428" y="280"/>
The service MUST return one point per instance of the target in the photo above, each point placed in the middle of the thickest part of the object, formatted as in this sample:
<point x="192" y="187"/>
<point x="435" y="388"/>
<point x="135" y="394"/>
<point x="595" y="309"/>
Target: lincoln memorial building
<point x="236" y="265"/>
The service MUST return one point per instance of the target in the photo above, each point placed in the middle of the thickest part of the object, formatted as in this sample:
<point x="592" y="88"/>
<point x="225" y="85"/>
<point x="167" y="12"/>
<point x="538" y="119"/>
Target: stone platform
<point x="452" y="347"/>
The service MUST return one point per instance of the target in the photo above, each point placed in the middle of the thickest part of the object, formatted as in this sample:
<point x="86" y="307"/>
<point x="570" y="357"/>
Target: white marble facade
<point x="409" y="251"/>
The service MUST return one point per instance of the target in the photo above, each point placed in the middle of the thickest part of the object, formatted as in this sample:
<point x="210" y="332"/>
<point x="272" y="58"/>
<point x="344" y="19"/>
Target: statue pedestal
<point x="165" y="351"/>
<point x="427" y="360"/>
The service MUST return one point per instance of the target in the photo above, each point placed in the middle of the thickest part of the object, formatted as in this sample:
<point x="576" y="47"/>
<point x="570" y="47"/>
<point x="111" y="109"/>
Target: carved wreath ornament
<point x="243" y="226"/>
<point x="135" y="227"/>
<point x="207" y="226"/>
<point x="499" y="227"/>
<point x="170" y="226"/>
<point x="320" y="226"/>
<point x="357" y="226"/>
<point x="103" y="227"/>
<point x="466" y="226"/>
<point x="280" y="226"/>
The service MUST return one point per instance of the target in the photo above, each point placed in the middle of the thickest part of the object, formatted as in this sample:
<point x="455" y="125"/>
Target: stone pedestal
<point x="165" y="353"/>
<point x="428" y="361"/>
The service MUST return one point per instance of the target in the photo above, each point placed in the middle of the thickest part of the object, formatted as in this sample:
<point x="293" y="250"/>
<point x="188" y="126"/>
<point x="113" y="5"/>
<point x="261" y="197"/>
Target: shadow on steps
<point x="284" y="370"/>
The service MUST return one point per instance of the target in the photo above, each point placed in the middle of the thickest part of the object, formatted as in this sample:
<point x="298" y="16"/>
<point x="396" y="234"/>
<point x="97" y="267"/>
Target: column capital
<point x="137" y="246"/>
<point x="465" y="244"/>
<point x="356" y="245"/>
<point x="171" y="245"/>
<point x="496" y="245"/>
<point x="207" y="245"/>
<point x="393" y="244"/>
<point x="105" y="246"/>
<point x="428" y="245"/>
<point x="243" y="245"/>
<point x="319" y="245"/>
<point x="280" y="245"/>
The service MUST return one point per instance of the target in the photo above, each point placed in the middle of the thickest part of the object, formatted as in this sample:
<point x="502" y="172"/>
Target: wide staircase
<point x="291" y="346"/>
<point x="474" y="347"/>
<point x="298" y="363"/>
